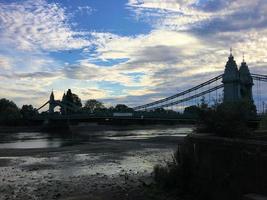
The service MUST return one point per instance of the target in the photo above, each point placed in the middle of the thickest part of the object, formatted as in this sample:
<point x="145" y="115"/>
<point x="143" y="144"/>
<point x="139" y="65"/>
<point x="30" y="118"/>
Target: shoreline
<point x="98" y="168"/>
<point x="90" y="127"/>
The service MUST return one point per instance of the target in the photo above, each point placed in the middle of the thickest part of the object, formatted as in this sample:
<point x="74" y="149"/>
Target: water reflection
<point x="146" y="134"/>
<point x="29" y="144"/>
<point x="34" y="140"/>
<point x="45" y="140"/>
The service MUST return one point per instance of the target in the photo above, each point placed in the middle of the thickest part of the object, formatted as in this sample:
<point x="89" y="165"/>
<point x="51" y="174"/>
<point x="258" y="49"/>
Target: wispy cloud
<point x="37" y="25"/>
<point x="188" y="39"/>
<point x="85" y="10"/>
<point x="5" y="63"/>
<point x="211" y="15"/>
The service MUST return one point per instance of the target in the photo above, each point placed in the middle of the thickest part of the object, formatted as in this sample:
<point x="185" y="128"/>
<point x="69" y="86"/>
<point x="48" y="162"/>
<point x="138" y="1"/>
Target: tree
<point x="203" y="105"/>
<point x="228" y="119"/>
<point x="122" y="108"/>
<point x="263" y="123"/>
<point x="160" y="110"/>
<point x="9" y="112"/>
<point x="71" y="101"/>
<point x="92" y="105"/>
<point x="27" y="111"/>
<point x="192" y="110"/>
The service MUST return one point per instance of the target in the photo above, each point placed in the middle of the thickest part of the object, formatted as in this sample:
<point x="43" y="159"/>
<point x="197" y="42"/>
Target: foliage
<point x="192" y="110"/>
<point x="122" y="108"/>
<point x="72" y="101"/>
<point x="27" y="111"/>
<point x="9" y="112"/>
<point x="93" y="105"/>
<point x="196" y="110"/>
<point x="263" y="123"/>
<point x="73" y="98"/>
<point x="227" y="119"/>
<point x="160" y="110"/>
<point x="163" y="111"/>
<point x="177" y="173"/>
<point x="167" y="176"/>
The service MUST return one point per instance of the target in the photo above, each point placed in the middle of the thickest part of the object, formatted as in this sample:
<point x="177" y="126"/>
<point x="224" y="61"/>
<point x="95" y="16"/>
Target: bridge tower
<point x="237" y="83"/>
<point x="246" y="82"/>
<point x="231" y="81"/>
<point x="52" y="103"/>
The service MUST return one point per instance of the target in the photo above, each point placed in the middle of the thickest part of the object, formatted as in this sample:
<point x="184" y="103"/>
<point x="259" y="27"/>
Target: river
<point x="41" y="165"/>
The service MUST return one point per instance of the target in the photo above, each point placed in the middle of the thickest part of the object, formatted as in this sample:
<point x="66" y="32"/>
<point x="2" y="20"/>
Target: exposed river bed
<point x="84" y="164"/>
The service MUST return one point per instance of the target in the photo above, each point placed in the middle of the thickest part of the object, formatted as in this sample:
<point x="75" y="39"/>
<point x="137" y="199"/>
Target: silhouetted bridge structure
<point x="79" y="118"/>
<point x="234" y="85"/>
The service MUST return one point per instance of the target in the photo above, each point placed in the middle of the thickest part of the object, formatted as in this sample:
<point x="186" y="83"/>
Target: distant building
<point x="237" y="82"/>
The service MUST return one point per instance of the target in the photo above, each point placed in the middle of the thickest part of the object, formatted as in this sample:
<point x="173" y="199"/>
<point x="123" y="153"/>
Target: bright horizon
<point x="118" y="51"/>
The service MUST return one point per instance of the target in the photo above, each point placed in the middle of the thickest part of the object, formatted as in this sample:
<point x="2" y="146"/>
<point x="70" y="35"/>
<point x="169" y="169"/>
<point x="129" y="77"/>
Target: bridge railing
<point x="259" y="77"/>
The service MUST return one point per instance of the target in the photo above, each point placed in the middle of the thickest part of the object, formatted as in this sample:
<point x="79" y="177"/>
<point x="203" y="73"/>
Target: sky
<point x="124" y="51"/>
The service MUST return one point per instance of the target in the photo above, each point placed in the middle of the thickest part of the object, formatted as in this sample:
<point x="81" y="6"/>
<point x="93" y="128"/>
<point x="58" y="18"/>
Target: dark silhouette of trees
<point x="228" y="119"/>
<point x="122" y="108"/>
<point x="27" y="111"/>
<point x="73" y="98"/>
<point x="71" y="101"/>
<point x="160" y="110"/>
<point x="9" y="112"/>
<point x="192" y="110"/>
<point x="93" y="105"/>
<point x="263" y="123"/>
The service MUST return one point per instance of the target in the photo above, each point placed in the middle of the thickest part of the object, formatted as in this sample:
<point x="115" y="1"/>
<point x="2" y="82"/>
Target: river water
<point x="44" y="166"/>
<point x="32" y="140"/>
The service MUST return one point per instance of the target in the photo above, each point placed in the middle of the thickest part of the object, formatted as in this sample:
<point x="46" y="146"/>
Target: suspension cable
<point x="179" y="94"/>
<point x="188" y="98"/>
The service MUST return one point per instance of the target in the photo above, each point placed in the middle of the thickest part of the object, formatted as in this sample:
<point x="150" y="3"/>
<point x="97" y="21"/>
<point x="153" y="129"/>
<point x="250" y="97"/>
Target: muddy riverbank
<point x="111" y="165"/>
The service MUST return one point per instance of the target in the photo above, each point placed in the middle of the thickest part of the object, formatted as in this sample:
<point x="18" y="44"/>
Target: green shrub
<point x="9" y="113"/>
<point x="178" y="173"/>
<point x="227" y="119"/>
<point x="263" y="123"/>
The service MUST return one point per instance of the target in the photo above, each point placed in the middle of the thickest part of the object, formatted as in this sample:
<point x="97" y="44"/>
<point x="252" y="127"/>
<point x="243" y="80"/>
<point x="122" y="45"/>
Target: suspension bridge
<point x="235" y="84"/>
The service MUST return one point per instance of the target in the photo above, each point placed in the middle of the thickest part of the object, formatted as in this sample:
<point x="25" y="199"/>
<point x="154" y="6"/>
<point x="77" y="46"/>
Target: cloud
<point x="187" y="44"/>
<point x="85" y="70"/>
<point x="85" y="10"/>
<point x="206" y="16"/>
<point x="156" y="47"/>
<point x="37" y="25"/>
<point x="172" y="14"/>
<point x="5" y="63"/>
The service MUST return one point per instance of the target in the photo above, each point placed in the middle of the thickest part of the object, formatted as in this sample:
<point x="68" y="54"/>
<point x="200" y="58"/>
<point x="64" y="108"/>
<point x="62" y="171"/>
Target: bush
<point x="9" y="113"/>
<point x="167" y="176"/>
<point x="178" y="173"/>
<point x="227" y="119"/>
<point x="263" y="123"/>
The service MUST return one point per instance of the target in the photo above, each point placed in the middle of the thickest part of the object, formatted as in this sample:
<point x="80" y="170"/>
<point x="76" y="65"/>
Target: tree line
<point x="11" y="114"/>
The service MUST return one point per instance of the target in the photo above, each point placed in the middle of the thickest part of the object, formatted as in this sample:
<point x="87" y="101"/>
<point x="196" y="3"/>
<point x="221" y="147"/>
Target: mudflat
<point x="112" y="165"/>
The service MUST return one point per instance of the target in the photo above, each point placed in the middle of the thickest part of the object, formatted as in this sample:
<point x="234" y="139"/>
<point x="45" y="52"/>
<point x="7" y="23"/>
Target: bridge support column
<point x="51" y="103"/>
<point x="237" y="82"/>
<point x="231" y="81"/>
